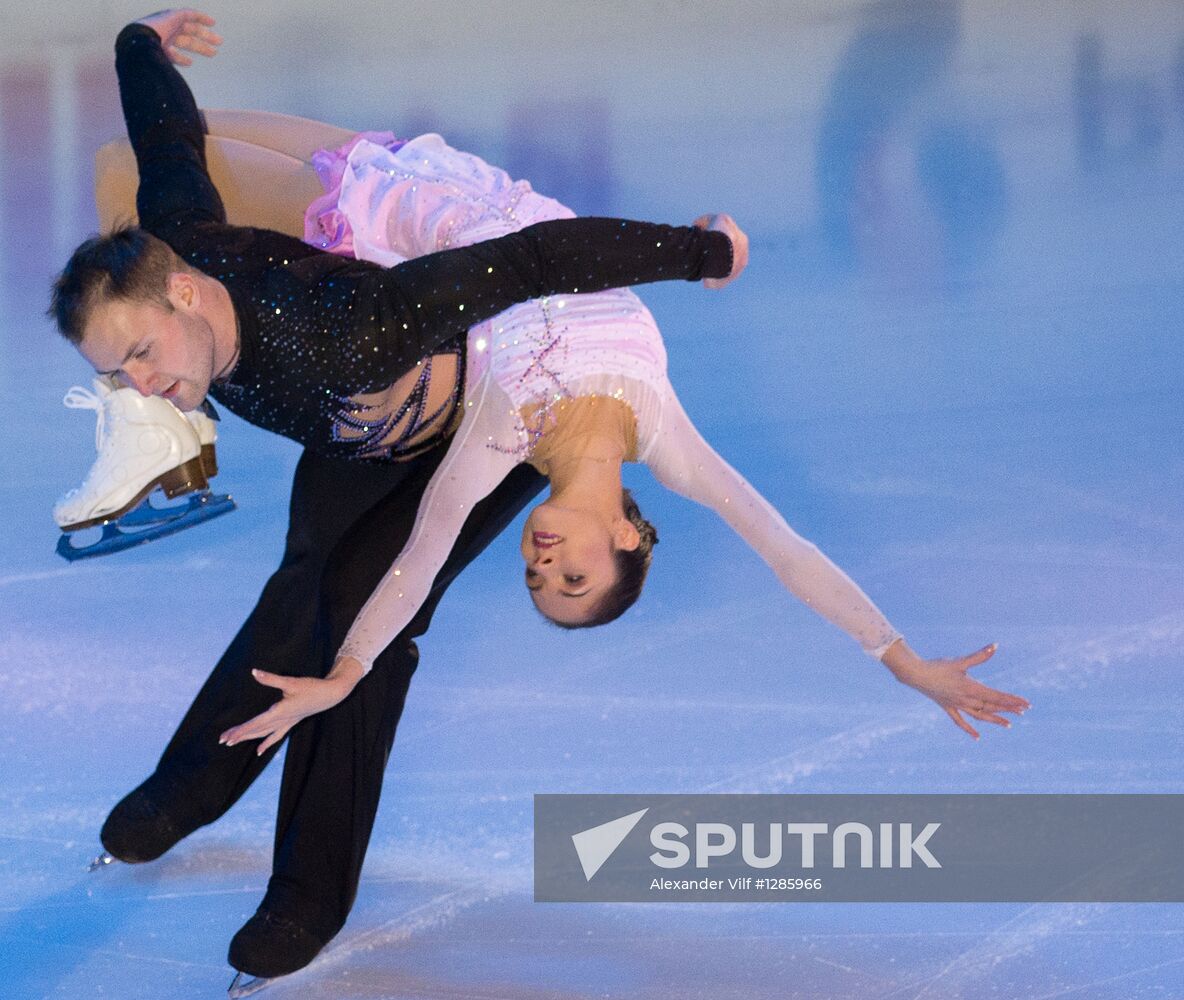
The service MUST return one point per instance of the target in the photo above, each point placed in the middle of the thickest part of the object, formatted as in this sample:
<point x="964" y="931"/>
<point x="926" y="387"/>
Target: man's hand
<point x="302" y="697"/>
<point x="184" y="30"/>
<point x="948" y="683"/>
<point x="726" y="225"/>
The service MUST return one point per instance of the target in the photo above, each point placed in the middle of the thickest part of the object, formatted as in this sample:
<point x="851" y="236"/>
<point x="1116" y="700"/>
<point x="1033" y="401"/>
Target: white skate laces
<point x="80" y="398"/>
<point x="138" y="439"/>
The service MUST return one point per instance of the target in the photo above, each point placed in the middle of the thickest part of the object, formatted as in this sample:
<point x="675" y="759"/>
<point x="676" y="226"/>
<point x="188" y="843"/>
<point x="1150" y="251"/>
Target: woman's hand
<point x="726" y="224"/>
<point x="948" y="683"/>
<point x="184" y="30"/>
<point x="302" y="697"/>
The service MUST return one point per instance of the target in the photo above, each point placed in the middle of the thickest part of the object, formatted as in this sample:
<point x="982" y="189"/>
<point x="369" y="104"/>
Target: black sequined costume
<point x="316" y="329"/>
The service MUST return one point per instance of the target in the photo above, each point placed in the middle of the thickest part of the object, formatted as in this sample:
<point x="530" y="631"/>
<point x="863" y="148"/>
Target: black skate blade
<point x="102" y="861"/>
<point x="244" y="985"/>
<point x="149" y="523"/>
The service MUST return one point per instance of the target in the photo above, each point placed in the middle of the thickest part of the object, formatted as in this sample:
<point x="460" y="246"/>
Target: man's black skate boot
<point x="137" y="830"/>
<point x="270" y="945"/>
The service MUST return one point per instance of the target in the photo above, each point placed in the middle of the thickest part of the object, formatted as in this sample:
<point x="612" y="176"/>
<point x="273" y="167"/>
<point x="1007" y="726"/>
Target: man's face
<point x="157" y="351"/>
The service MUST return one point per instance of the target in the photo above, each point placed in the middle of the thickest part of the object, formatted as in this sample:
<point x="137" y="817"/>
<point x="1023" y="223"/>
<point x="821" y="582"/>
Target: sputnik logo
<point x="596" y="845"/>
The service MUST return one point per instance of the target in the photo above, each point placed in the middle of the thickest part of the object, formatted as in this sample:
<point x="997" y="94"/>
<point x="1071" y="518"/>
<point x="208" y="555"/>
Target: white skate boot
<point x="143" y="442"/>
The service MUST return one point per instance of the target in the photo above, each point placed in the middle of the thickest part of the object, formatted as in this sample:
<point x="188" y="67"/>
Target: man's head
<point x="132" y="307"/>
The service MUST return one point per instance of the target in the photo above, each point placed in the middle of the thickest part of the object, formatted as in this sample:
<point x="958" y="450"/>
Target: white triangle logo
<point x="595" y="846"/>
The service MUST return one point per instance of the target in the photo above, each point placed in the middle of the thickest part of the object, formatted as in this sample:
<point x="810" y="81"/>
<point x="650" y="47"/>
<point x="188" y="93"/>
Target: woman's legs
<point x="259" y="162"/>
<point x="296" y="137"/>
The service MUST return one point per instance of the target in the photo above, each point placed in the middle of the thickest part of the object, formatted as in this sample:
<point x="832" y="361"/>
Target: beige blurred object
<point x="258" y="160"/>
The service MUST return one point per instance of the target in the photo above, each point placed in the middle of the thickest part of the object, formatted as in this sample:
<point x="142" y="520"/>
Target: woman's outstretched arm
<point x="685" y="463"/>
<point x="470" y="470"/>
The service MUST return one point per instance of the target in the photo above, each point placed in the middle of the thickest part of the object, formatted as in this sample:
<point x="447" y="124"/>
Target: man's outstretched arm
<point x="163" y="121"/>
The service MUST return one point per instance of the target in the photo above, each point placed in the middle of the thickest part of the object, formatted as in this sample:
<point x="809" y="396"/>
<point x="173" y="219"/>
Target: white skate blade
<point x="146" y="523"/>
<point x="244" y="985"/>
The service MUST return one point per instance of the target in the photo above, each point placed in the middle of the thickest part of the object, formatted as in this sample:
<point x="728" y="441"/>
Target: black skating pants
<point x="348" y="522"/>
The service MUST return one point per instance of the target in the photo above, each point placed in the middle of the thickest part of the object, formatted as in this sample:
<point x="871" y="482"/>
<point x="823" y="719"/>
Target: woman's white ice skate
<point x="144" y="442"/>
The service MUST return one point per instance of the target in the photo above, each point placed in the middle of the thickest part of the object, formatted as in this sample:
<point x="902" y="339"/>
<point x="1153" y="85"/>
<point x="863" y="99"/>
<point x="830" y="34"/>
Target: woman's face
<point x="569" y="561"/>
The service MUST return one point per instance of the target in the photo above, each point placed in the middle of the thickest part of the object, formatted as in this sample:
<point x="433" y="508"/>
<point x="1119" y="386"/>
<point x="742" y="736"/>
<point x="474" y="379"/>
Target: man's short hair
<point x="128" y="264"/>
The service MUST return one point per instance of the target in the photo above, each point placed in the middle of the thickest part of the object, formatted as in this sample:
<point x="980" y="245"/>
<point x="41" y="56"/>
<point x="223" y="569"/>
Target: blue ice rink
<point x="954" y="363"/>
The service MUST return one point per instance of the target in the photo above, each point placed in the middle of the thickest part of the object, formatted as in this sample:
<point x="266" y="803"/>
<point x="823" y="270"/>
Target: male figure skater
<point x="288" y="337"/>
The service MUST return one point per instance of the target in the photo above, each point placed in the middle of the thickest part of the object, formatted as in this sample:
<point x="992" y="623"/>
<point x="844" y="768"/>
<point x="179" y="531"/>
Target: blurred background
<point x="953" y="363"/>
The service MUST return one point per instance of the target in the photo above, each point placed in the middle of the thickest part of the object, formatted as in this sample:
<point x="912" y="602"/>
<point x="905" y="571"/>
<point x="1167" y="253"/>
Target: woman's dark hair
<point x="128" y="264"/>
<point x="632" y="567"/>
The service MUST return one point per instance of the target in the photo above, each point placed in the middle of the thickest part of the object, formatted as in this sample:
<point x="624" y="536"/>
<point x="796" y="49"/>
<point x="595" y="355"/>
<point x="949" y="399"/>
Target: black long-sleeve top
<point x="315" y="328"/>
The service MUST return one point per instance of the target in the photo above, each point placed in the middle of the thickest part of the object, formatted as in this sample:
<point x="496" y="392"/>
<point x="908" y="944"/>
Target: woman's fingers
<point x="986" y="715"/>
<point x="202" y="46"/>
<point x="197" y="33"/>
<point x="272" y="740"/>
<point x="184" y="33"/>
<point x="279" y="681"/>
<point x="1001" y="701"/>
<point x="183" y="44"/>
<point x="260" y="725"/>
<point x="961" y="723"/>
<point x="256" y="729"/>
<point x="252" y="729"/>
<point x="985" y="704"/>
<point x="183" y="13"/>
<point x="980" y="656"/>
<point x="727" y="225"/>
<point x="302" y="697"/>
<point x="989" y="698"/>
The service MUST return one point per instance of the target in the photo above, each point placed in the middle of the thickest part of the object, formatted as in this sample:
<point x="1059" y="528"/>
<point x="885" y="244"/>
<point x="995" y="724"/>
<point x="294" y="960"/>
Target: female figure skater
<point x="575" y="385"/>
